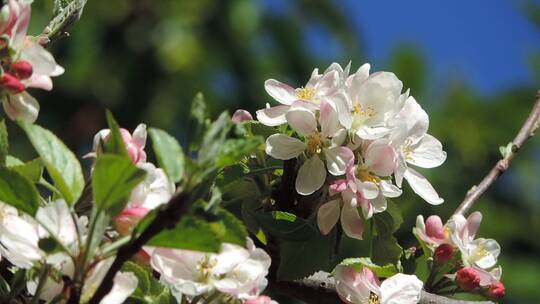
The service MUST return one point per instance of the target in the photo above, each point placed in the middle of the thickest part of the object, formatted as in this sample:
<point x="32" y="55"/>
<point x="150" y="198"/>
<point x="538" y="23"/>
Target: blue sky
<point x="486" y="42"/>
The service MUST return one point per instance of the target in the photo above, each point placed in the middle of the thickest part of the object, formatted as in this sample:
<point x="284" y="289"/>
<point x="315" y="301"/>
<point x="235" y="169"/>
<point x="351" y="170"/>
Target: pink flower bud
<point x="11" y="83"/>
<point x="134" y="149"/>
<point x="467" y="278"/>
<point x="434" y="227"/>
<point x="496" y="290"/>
<point x="241" y="116"/>
<point x="259" y="300"/>
<point x="443" y="254"/>
<point x="128" y="218"/>
<point x="22" y="69"/>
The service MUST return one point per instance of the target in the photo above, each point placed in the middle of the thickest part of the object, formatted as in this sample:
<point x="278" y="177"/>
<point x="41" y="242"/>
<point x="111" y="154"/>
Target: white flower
<point x="155" y="190"/>
<point x="417" y="148"/>
<point x="324" y="143"/>
<point x="124" y="284"/>
<point x="235" y="270"/>
<point x="319" y="87"/>
<point x="364" y="288"/>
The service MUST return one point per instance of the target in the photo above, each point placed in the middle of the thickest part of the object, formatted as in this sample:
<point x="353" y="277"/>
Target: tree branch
<point x="320" y="288"/>
<point x="166" y="218"/>
<point x="526" y="131"/>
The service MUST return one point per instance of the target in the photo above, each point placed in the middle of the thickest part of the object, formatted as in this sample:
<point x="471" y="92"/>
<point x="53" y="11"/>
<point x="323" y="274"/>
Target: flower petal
<point x="401" y="289"/>
<point x="273" y="116"/>
<point x="328" y="119"/>
<point x="337" y="159"/>
<point x="281" y="146"/>
<point x="281" y="92"/>
<point x="311" y="176"/>
<point x="389" y="190"/>
<point x="380" y="158"/>
<point x="352" y="223"/>
<point x="369" y="190"/>
<point x="427" y="153"/>
<point x="422" y="187"/>
<point x="21" y="107"/>
<point x="349" y="286"/>
<point x="301" y="120"/>
<point x="328" y="215"/>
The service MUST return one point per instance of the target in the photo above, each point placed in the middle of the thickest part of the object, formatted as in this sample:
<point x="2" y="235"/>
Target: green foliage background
<point x="145" y="60"/>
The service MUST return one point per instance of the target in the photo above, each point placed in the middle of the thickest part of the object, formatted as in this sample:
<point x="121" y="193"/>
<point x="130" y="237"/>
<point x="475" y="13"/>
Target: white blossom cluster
<point x="356" y="133"/>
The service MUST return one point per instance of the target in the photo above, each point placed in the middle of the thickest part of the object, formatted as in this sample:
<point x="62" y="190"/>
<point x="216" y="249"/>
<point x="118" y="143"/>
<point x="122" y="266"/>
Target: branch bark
<point x="526" y="131"/>
<point x="320" y="288"/>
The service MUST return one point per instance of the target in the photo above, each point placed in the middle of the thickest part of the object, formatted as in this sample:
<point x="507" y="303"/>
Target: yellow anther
<point x="314" y="143"/>
<point x="305" y="93"/>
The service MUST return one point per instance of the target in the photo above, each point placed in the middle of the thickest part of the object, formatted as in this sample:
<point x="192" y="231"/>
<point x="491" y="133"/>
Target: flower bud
<point x="128" y="218"/>
<point x="260" y="300"/>
<point x="11" y="83"/>
<point x="22" y="69"/>
<point x="241" y="116"/>
<point x="434" y="227"/>
<point x="443" y="254"/>
<point x="496" y="290"/>
<point x="467" y="278"/>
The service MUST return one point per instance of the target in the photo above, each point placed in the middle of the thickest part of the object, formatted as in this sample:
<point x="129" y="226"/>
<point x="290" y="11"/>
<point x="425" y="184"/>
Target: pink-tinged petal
<point x="281" y="146"/>
<point x="22" y="107"/>
<point x="301" y="120"/>
<point x="311" y="176"/>
<point x="351" y="177"/>
<point x="351" y="222"/>
<point x="415" y="119"/>
<point x="370" y="280"/>
<point x="43" y="82"/>
<point x="401" y="289"/>
<point x="328" y="215"/>
<point x="328" y="84"/>
<point x="354" y="81"/>
<point x="42" y="61"/>
<point x="378" y="204"/>
<point x="427" y="153"/>
<point x="389" y="190"/>
<point x="369" y="190"/>
<point x="434" y="227"/>
<point x="20" y="29"/>
<point x="273" y="116"/>
<point x="328" y="119"/>
<point x="473" y="223"/>
<point x="139" y="136"/>
<point x="128" y="218"/>
<point x="381" y="158"/>
<point x="422" y="187"/>
<point x="240" y="116"/>
<point x="281" y="92"/>
<point x="337" y="159"/>
<point x="399" y="172"/>
<point x="350" y="286"/>
<point x="338" y="186"/>
<point x="343" y="108"/>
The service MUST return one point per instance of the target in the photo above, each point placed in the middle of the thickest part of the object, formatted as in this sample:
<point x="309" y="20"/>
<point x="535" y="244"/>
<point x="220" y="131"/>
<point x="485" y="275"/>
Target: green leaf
<point x="190" y="233"/>
<point x="115" y="142"/>
<point x="388" y="222"/>
<point x="214" y="140"/>
<point x="302" y="259"/>
<point x="4" y="143"/>
<point x="62" y="165"/>
<point x="234" y="230"/>
<point x="385" y="271"/>
<point x="259" y="129"/>
<point x="286" y="226"/>
<point x="149" y="289"/>
<point x="234" y="150"/>
<point x="198" y="122"/>
<point x="385" y="250"/>
<point x="169" y="153"/>
<point x="19" y="192"/>
<point x="113" y="179"/>
<point x="32" y="170"/>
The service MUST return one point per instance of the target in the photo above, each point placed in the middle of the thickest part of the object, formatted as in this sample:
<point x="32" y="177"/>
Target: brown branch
<point x="320" y="288"/>
<point x="166" y="217"/>
<point x="527" y="130"/>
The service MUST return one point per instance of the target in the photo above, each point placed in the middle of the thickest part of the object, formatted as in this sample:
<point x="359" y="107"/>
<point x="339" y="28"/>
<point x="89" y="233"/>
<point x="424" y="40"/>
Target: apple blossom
<point x="155" y="190"/>
<point x="467" y="278"/>
<point x="364" y="288"/>
<point x="134" y="143"/>
<point x="241" y="116"/>
<point x="496" y="290"/>
<point x="432" y="231"/>
<point x="260" y="300"/>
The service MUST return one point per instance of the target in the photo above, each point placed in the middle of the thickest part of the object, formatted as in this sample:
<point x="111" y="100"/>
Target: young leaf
<point x="235" y="231"/>
<point x="190" y="233"/>
<point x="19" y="192"/>
<point x="114" y="143"/>
<point x="61" y="163"/>
<point x="32" y="170"/>
<point x="113" y="179"/>
<point x="385" y="250"/>
<point x="233" y="150"/>
<point x="385" y="271"/>
<point x="149" y="289"/>
<point x="198" y="122"/>
<point x="3" y="143"/>
<point x="214" y="139"/>
<point x="169" y="153"/>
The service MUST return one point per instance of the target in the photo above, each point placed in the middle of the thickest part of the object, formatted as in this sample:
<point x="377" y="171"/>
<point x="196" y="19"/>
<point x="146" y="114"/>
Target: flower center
<point x="407" y="150"/>
<point x="373" y="299"/>
<point x="314" y="143"/>
<point x="368" y="112"/>
<point x="364" y="175"/>
<point x="305" y="93"/>
<point x="205" y="267"/>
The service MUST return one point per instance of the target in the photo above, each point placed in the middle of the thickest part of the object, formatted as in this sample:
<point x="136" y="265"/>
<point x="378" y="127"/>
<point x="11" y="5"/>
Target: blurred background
<point x="473" y="65"/>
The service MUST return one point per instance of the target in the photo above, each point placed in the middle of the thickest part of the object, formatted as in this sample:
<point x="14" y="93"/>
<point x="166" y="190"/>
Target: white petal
<point x="21" y="107"/>
<point x="328" y="84"/>
<point x="301" y="120"/>
<point x="328" y="215"/>
<point x="337" y="159"/>
<point x="349" y="286"/>
<point x="415" y="119"/>
<point x="328" y="119"/>
<point x="401" y="167"/>
<point x="369" y="190"/>
<point x="343" y="107"/>
<point x="311" y="176"/>
<point x="380" y="158"/>
<point x="422" y="187"/>
<point x="139" y="136"/>
<point x="281" y="146"/>
<point x="401" y="289"/>
<point x="487" y="251"/>
<point x="427" y="153"/>
<point x="351" y="222"/>
<point x="389" y="190"/>
<point x="281" y="92"/>
<point x="43" y="82"/>
<point x="41" y="60"/>
<point x="273" y="116"/>
<point x="372" y="133"/>
<point x="125" y="284"/>
<point x="378" y="204"/>
<point x="57" y="219"/>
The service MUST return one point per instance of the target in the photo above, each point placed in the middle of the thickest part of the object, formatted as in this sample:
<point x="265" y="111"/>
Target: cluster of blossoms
<point x="357" y="134"/>
<point x="24" y="62"/>
<point x="476" y="268"/>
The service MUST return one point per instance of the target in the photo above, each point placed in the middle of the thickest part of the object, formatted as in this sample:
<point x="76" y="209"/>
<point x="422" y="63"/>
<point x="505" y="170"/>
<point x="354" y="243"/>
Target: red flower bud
<point x="443" y="254"/>
<point x="496" y="290"/>
<point x="11" y="83"/>
<point x="22" y="69"/>
<point x="128" y="218"/>
<point x="467" y="278"/>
